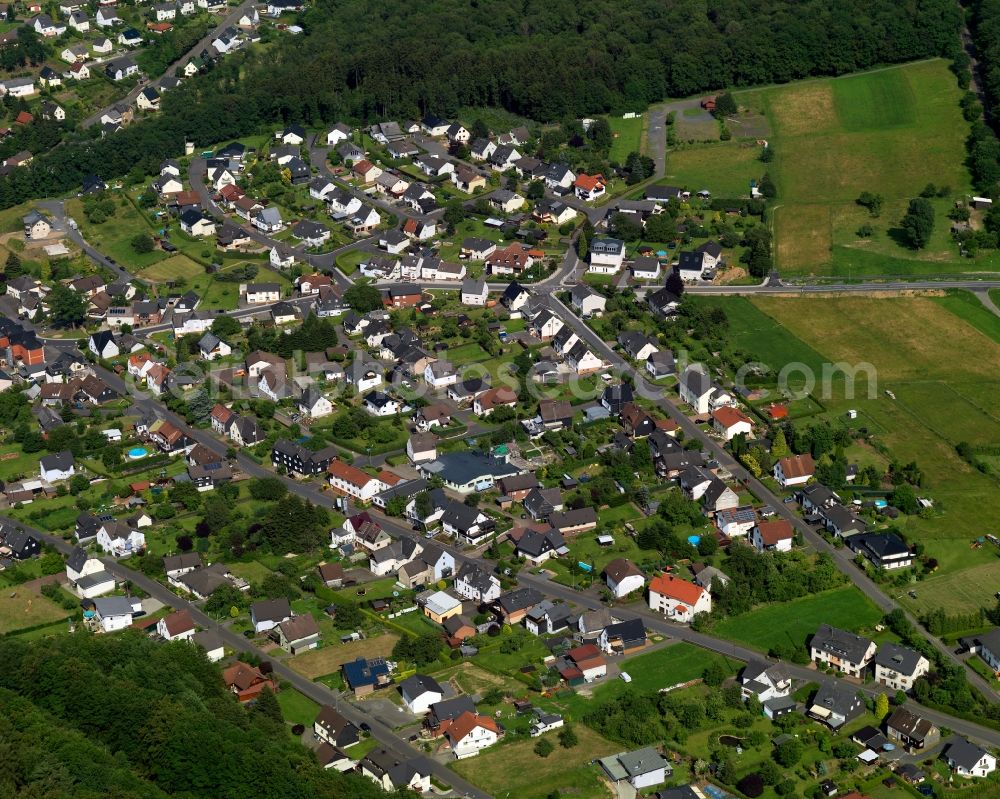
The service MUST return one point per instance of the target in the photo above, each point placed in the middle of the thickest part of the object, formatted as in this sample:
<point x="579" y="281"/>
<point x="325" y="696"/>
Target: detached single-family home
<point x="298" y="634"/>
<point x="969" y="760"/>
<point x="898" y="667"/>
<point x="333" y="728"/>
<point x="267" y="614"/>
<point x="177" y="626"/>
<point x="606" y="256"/>
<point x="57" y="466"/>
<point x="914" y="733"/>
<point x="835" y="704"/>
<point x="775" y="535"/>
<point x="587" y="301"/>
<point x="470" y="733"/>
<point x="730" y="422"/>
<point x="113" y="612"/>
<point x="794" y="470"/>
<point x="623" y="577"/>
<point x="678" y="599"/>
<point x="642" y="768"/>
<point x="844" y="651"/>
<point x="419" y="692"/>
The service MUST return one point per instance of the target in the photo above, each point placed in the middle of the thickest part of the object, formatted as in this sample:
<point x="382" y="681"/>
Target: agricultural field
<point x="936" y="355"/>
<point x="890" y="131"/>
<point x="793" y="622"/>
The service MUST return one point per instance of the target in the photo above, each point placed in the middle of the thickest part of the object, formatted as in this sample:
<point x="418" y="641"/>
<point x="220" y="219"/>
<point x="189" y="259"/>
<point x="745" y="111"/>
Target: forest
<point x="363" y="61"/>
<point x="88" y="716"/>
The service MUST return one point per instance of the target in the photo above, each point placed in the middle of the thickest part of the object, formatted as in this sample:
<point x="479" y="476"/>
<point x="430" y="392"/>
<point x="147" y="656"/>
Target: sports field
<point x="793" y="622"/>
<point x="937" y="355"/>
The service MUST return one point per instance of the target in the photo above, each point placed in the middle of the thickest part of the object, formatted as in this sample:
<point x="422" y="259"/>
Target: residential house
<point x="587" y="301"/>
<point x="440" y="605"/>
<point x="474" y="584"/>
<point x="419" y="692"/>
<point x="266" y="614"/>
<point x="623" y="637"/>
<point x="844" y="651"/>
<point x="885" y="551"/>
<point x="606" y="256"/>
<point x="794" y="470"/>
<point x="623" y="577"/>
<point x="298" y="634"/>
<point x="57" y="466"/>
<point x="470" y="733"/>
<point x="695" y="388"/>
<point x="765" y="681"/>
<point x="775" y="535"/>
<point x="333" y="728"/>
<point x="730" y="422"/>
<point x="390" y="772"/>
<point x="969" y="760"/>
<point x="835" y="704"/>
<point x="914" y="733"/>
<point x="247" y="681"/>
<point x="176" y="626"/>
<point x="642" y="768"/>
<point x="898" y="667"/>
<point x="678" y="599"/>
<point x="113" y="613"/>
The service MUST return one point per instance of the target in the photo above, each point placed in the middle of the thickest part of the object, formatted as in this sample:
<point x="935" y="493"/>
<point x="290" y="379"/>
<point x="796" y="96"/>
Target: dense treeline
<point x="122" y="716"/>
<point x="546" y="61"/>
<point x="984" y="148"/>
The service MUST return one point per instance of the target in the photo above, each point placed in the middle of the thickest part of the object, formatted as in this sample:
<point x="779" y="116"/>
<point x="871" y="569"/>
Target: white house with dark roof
<point x="419" y="692"/>
<point x="606" y="256"/>
<point x="898" y="667"/>
<point x="969" y="760"/>
<point x="844" y="651"/>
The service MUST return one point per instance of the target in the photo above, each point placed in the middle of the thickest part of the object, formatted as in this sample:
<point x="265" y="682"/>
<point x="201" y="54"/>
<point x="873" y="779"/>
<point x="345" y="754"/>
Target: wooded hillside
<point x="364" y="61"/>
<point x="96" y="716"/>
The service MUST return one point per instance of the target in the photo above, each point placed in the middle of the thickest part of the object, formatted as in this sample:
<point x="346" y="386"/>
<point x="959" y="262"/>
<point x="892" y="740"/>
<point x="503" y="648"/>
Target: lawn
<point x="793" y="622"/>
<point x="890" y="131"/>
<point x="515" y="770"/>
<point x="724" y="168"/>
<point x="21" y="607"/>
<point x="297" y="708"/>
<point x="675" y="663"/>
<point x="329" y="659"/>
<point x="628" y="137"/>
<point x="349" y="261"/>
<point x="173" y="268"/>
<point x="114" y="237"/>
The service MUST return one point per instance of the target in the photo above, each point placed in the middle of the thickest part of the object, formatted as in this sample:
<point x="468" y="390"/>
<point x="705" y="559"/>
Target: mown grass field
<point x="793" y="622"/>
<point x="173" y="268"/>
<point x="724" y="168"/>
<point x="22" y="607"/>
<point x="329" y="658"/>
<point x="628" y="137"/>
<point x="889" y="131"/>
<point x="514" y="769"/>
<point x="937" y="355"/>
<point x="297" y="708"/>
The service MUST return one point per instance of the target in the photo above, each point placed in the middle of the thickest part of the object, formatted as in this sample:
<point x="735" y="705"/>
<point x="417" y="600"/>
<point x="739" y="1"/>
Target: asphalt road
<point x="315" y="691"/>
<point x="230" y="19"/>
<point x="841" y="557"/>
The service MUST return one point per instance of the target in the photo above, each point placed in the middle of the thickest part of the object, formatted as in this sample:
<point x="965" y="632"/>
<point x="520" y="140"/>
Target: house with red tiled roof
<point x="729" y="422"/>
<point x="589" y="187"/>
<point x="220" y="417"/>
<point x="678" y="599"/>
<point x="470" y="733"/>
<point x="775" y="535"/>
<point x="794" y="470"/>
<point x="585" y="663"/>
<point x="353" y="482"/>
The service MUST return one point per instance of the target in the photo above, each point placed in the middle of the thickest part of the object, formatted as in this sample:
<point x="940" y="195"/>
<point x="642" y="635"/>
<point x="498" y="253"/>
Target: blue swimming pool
<point x="138" y="452"/>
<point x="694" y="540"/>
